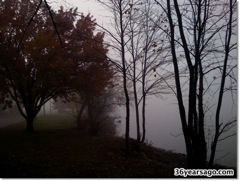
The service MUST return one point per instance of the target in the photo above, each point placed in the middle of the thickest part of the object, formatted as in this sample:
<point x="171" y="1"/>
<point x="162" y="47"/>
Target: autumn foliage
<point x="39" y="62"/>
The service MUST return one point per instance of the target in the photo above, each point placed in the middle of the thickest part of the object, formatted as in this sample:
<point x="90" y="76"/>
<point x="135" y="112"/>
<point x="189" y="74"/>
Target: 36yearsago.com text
<point x="182" y="172"/>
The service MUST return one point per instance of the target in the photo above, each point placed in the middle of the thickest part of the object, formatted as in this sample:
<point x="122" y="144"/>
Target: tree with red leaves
<point x="39" y="62"/>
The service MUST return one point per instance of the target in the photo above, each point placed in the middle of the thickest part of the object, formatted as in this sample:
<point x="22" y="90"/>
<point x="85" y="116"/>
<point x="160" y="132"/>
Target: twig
<point x="176" y="135"/>
<point x="54" y="24"/>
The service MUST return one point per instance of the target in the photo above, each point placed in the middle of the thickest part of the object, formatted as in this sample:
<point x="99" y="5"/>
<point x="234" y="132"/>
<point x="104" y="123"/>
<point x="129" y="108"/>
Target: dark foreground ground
<point x="57" y="150"/>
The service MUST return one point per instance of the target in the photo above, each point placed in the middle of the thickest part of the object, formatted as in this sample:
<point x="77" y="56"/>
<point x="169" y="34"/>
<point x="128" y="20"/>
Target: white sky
<point x="85" y="6"/>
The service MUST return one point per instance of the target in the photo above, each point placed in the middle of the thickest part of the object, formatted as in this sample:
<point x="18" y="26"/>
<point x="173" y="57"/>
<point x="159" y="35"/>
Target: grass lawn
<point x="57" y="150"/>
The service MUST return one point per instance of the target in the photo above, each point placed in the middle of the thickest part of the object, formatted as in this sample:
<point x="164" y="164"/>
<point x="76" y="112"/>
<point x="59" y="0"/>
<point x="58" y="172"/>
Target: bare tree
<point x="202" y="45"/>
<point x="146" y="58"/>
<point x="118" y="8"/>
<point x="136" y="39"/>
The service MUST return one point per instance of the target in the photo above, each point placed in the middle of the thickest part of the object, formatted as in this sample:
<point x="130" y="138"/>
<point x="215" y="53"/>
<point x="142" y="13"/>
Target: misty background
<point x="163" y="126"/>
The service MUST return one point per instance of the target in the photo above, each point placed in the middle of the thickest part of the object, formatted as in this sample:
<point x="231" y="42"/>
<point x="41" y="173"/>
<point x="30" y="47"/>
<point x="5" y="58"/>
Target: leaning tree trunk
<point x="223" y="79"/>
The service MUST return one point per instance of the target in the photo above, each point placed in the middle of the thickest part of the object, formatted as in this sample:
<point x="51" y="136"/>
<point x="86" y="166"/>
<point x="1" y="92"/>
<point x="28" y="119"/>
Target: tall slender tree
<point x="135" y="38"/>
<point x="119" y="8"/>
<point x="146" y="60"/>
<point x="202" y="44"/>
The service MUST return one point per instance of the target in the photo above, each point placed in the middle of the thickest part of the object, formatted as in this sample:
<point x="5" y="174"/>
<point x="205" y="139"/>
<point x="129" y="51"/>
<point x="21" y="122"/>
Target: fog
<point x="163" y="126"/>
<point x="163" y="129"/>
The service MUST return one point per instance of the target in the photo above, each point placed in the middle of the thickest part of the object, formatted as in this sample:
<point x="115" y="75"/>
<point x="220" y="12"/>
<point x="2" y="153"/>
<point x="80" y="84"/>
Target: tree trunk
<point x="143" y="118"/>
<point x="213" y="150"/>
<point x="79" y="116"/>
<point x="127" y="116"/>
<point x="221" y="91"/>
<point x="185" y="128"/>
<point x="30" y="116"/>
<point x="29" y="127"/>
<point x="124" y="71"/>
<point x="199" y="153"/>
<point x="137" y="116"/>
<point x="136" y="102"/>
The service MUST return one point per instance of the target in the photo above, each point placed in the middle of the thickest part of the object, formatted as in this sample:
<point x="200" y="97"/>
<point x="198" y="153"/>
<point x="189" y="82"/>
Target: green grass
<point x="57" y="150"/>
